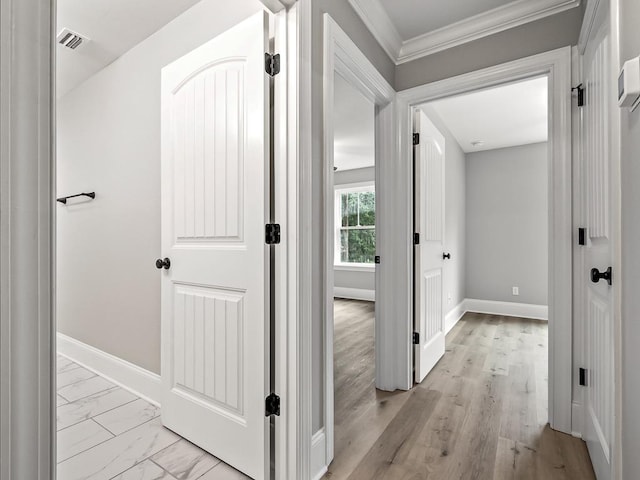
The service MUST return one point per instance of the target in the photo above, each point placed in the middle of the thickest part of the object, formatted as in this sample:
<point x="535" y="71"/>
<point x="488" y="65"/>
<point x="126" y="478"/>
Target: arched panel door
<point x="215" y="204"/>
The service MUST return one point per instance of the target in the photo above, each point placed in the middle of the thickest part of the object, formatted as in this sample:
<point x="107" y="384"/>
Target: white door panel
<point x="215" y="301"/>
<point x="598" y="253"/>
<point x="429" y="221"/>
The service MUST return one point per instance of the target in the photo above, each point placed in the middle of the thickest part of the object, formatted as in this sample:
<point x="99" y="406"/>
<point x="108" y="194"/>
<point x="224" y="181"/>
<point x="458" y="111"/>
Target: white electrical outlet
<point x="515" y="290"/>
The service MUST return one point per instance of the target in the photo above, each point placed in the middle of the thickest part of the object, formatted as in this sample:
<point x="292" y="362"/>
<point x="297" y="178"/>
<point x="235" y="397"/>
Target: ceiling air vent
<point x="70" y="39"/>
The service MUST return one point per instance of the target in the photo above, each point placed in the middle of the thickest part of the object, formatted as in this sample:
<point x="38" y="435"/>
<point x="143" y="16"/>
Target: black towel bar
<point x="64" y="199"/>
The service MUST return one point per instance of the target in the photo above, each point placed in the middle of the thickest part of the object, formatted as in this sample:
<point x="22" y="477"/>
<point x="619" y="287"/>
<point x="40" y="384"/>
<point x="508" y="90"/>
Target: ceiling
<point x="354" y="127"/>
<point x="113" y="27"/>
<point x="410" y="29"/>
<point x="505" y="116"/>
<point x="415" y="17"/>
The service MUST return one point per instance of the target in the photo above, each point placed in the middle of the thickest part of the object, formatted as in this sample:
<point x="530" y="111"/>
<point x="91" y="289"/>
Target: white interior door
<point x="599" y="296"/>
<point x="215" y="204"/>
<point x="429" y="225"/>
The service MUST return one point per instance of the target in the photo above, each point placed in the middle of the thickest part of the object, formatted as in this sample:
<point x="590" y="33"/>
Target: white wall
<point x="629" y="277"/>
<point x="454" y="274"/>
<point x="507" y="224"/>
<point x="355" y="278"/>
<point x="109" y="141"/>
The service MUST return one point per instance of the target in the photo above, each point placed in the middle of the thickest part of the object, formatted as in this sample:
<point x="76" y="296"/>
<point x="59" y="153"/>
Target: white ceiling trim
<point x="473" y="28"/>
<point x="589" y="23"/>
<point x="482" y="25"/>
<point x="377" y="20"/>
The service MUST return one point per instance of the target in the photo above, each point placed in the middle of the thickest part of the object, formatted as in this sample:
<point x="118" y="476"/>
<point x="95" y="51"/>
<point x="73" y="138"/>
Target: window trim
<point x="367" y="186"/>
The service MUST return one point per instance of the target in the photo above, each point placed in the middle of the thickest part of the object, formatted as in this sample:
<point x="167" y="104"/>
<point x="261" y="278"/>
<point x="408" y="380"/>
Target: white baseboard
<point x="576" y="419"/>
<point x="318" y="454"/>
<point x="137" y="380"/>
<point x="453" y="316"/>
<point x="354" y="293"/>
<point x="510" y="309"/>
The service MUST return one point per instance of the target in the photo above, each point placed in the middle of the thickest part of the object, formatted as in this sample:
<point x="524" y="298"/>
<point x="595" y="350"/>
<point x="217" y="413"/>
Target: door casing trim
<point x="556" y="65"/>
<point x="342" y="57"/>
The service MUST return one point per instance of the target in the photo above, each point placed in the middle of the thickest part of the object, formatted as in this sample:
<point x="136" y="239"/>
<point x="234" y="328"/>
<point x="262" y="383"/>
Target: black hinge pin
<point x="416" y="338"/>
<point x="416" y="138"/>
<point x="272" y="234"/>
<point x="582" y="377"/>
<point x="272" y="64"/>
<point x="416" y="239"/>
<point x="582" y="237"/>
<point x="580" y="90"/>
<point x="272" y="405"/>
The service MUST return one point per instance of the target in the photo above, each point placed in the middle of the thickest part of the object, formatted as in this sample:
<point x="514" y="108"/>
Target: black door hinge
<point x="582" y="238"/>
<point x="272" y="405"/>
<point x="597" y="275"/>
<point x="376" y="259"/>
<point x="583" y="377"/>
<point x="272" y="64"/>
<point x="272" y="233"/>
<point x="580" y="89"/>
<point x="416" y="239"/>
<point x="416" y="139"/>
<point x="416" y="338"/>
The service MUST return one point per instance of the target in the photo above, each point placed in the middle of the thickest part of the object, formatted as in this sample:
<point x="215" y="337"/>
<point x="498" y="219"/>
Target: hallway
<point x="480" y="414"/>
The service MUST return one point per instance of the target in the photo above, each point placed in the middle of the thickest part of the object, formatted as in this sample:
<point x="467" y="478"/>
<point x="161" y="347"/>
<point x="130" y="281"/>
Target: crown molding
<point x="380" y="25"/>
<point x="592" y="10"/>
<point x="473" y="28"/>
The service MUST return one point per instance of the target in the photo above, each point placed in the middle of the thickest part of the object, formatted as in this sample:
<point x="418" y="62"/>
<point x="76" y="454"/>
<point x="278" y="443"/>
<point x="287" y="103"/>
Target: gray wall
<point x="342" y="177"/>
<point x="630" y="278"/>
<point x="507" y="227"/>
<point x="349" y="278"/>
<point x="540" y="36"/>
<point x="109" y="141"/>
<point x="455" y="216"/>
<point x="345" y="16"/>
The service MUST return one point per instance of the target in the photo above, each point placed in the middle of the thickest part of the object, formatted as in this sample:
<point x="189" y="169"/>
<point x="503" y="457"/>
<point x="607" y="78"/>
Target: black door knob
<point x="160" y="264"/>
<point x="597" y="275"/>
<point x="446" y="256"/>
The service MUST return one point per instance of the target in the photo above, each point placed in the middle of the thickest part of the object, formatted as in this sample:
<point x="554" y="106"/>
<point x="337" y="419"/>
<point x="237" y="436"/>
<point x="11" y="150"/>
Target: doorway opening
<point x="481" y="200"/>
<point x="556" y="67"/>
<point x="481" y="172"/>
<point x="357" y="350"/>
<point x="354" y="264"/>
<point x="168" y="125"/>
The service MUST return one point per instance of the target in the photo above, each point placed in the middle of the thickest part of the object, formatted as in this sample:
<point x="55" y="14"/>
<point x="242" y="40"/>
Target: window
<point x="355" y="225"/>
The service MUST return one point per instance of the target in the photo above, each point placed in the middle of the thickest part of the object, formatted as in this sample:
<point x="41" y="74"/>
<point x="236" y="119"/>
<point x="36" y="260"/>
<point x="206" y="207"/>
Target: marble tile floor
<point x="107" y="433"/>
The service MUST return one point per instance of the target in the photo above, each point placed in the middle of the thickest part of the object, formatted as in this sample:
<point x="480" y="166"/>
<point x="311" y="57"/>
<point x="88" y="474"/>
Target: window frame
<point x="339" y="190"/>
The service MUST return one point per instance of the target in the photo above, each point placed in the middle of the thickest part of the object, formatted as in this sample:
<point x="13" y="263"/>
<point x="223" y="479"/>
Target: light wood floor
<point x="480" y="414"/>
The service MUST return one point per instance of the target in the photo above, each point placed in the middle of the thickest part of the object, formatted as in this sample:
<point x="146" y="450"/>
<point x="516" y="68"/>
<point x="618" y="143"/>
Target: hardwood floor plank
<point x="514" y="461"/>
<point x="388" y="457"/>
<point x="475" y="450"/>
<point x="519" y="420"/>
<point x="480" y="414"/>
<point x="359" y="435"/>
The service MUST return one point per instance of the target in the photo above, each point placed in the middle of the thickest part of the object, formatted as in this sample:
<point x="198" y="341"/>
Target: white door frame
<point x="292" y="150"/>
<point x="27" y="238"/>
<point x="27" y="259"/>
<point x="342" y="56"/>
<point x="556" y="65"/>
